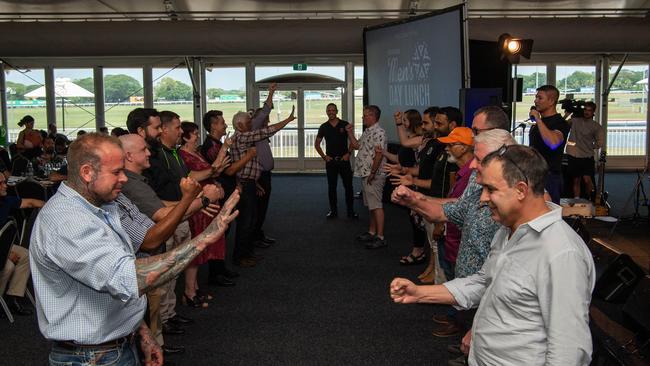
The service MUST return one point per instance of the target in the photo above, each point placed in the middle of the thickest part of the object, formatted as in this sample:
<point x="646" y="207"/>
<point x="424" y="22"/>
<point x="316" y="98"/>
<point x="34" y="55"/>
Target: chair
<point x="7" y="238"/>
<point x="28" y="224"/>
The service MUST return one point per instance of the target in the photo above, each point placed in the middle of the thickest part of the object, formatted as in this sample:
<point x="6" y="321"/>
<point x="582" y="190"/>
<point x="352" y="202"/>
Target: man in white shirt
<point x="369" y="167"/>
<point x="534" y="289"/>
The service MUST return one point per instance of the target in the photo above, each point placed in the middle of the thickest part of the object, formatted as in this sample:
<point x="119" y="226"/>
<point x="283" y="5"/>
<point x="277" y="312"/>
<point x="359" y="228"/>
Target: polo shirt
<point x="141" y="194"/>
<point x="164" y="175"/>
<point x="336" y="138"/>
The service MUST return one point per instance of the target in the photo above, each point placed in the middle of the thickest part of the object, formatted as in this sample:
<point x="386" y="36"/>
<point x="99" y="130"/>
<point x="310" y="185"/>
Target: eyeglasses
<point x="476" y="131"/>
<point x="502" y="153"/>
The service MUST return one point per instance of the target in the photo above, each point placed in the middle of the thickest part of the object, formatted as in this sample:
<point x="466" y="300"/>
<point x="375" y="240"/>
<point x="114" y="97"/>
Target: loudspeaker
<point x="616" y="273"/>
<point x="637" y="306"/>
<point x="475" y="98"/>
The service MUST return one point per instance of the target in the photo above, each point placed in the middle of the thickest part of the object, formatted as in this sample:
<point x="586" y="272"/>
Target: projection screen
<point x="414" y="64"/>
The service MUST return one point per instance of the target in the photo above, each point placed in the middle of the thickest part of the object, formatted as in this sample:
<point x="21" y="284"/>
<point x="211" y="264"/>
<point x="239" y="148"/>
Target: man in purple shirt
<point x="265" y="158"/>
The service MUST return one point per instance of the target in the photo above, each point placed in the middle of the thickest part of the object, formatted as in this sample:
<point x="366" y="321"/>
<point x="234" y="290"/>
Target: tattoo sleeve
<point x="154" y="271"/>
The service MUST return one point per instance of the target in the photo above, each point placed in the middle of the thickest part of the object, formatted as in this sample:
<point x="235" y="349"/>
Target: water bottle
<point x="30" y="169"/>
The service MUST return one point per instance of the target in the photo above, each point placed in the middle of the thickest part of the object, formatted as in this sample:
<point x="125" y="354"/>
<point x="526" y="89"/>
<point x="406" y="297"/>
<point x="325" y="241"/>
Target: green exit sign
<point x="299" y="67"/>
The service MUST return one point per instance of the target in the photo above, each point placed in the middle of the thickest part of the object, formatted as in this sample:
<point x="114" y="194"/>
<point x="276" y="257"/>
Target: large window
<point x="75" y="100"/>
<point x="627" y="111"/>
<point x="19" y="83"/>
<point x="172" y="91"/>
<point x="226" y="90"/>
<point x="122" y="93"/>
<point x="534" y="76"/>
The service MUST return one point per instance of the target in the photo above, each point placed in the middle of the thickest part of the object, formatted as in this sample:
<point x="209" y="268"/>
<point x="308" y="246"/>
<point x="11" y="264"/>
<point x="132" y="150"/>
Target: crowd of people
<point x="140" y="206"/>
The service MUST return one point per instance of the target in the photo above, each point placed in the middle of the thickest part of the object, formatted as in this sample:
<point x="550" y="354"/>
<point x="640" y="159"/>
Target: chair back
<point x="7" y="239"/>
<point x="19" y="165"/>
<point x="28" y="225"/>
<point x="31" y="189"/>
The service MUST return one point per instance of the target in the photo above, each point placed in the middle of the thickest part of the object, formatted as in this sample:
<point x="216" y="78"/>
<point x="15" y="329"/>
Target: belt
<point x="337" y="158"/>
<point x="70" y="345"/>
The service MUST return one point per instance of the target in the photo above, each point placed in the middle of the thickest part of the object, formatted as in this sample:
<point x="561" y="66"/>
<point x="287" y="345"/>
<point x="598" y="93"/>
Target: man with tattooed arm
<point x="89" y="285"/>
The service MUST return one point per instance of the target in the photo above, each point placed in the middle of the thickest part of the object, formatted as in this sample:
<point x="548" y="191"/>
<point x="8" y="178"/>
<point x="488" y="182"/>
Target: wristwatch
<point x="205" y="201"/>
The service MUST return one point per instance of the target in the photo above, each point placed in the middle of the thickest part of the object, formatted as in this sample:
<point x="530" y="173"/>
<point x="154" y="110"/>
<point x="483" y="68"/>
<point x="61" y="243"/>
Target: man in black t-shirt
<point x="548" y="136"/>
<point x="337" y="159"/>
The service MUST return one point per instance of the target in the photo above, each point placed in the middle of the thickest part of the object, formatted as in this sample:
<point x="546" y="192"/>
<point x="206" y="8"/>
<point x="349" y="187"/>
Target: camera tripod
<point x="640" y="199"/>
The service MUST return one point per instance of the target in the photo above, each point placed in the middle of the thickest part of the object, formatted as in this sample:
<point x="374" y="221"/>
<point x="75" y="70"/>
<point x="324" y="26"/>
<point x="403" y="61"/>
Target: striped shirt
<point x="83" y="267"/>
<point x="244" y="141"/>
<point x="135" y="223"/>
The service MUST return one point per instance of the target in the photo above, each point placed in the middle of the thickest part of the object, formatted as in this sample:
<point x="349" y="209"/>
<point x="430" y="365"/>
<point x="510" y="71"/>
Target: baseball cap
<point x="459" y="134"/>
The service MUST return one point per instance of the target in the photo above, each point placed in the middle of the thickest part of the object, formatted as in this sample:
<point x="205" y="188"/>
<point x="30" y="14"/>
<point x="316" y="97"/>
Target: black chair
<point x="28" y="224"/>
<point x="19" y="165"/>
<point x="7" y="238"/>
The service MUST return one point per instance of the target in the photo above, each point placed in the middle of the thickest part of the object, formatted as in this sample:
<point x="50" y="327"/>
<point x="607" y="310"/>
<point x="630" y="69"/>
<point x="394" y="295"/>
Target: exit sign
<point x="299" y="67"/>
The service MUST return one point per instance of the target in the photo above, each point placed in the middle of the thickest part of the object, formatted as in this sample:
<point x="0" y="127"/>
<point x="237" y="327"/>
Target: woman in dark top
<point x="406" y="157"/>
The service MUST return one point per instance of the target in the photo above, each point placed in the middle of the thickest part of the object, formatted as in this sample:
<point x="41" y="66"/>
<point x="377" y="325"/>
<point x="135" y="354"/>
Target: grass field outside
<point x="622" y="140"/>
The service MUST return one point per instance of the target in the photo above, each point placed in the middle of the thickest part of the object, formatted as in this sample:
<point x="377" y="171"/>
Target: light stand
<point x="636" y="194"/>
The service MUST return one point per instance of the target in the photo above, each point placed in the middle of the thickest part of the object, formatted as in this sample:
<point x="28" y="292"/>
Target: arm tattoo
<point x="154" y="271"/>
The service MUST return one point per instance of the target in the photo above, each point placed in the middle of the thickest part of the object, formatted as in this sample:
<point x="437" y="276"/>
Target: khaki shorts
<point x="373" y="192"/>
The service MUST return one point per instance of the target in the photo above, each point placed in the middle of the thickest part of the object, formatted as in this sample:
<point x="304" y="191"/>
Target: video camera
<point x="575" y="107"/>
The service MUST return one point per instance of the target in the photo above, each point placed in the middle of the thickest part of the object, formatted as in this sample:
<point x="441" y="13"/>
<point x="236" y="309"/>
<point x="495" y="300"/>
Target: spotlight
<point x="512" y="48"/>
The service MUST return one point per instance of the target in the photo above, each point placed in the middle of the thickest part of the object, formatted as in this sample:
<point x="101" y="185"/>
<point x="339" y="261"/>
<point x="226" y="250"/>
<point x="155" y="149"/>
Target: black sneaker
<point x="366" y="237"/>
<point x="353" y="215"/>
<point x="376" y="244"/>
<point x="332" y="215"/>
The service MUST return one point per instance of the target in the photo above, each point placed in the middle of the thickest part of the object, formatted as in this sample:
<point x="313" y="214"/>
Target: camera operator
<point x="586" y="136"/>
<point x="548" y="136"/>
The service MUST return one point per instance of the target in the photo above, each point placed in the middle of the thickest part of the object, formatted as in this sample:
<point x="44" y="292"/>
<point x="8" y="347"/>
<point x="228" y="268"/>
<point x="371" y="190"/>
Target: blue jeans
<point x="124" y="355"/>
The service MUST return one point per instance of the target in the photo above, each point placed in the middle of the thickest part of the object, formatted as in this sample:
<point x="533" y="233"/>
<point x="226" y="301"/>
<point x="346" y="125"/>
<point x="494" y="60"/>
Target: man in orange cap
<point x="460" y="151"/>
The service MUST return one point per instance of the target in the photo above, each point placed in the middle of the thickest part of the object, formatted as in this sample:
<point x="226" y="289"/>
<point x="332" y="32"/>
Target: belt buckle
<point x="338" y="158"/>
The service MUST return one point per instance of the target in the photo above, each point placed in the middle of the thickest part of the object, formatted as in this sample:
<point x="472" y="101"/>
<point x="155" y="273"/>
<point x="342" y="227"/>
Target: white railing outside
<point x="623" y="138"/>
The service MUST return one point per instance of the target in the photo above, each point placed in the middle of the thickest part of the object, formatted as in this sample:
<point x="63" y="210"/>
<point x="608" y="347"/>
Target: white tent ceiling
<point x="303" y="9"/>
<point x="307" y="29"/>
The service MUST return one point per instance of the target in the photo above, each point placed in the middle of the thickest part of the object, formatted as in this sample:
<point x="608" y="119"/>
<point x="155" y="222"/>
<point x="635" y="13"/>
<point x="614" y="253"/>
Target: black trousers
<point x="335" y="168"/>
<point x="262" y="204"/>
<point x="244" y="231"/>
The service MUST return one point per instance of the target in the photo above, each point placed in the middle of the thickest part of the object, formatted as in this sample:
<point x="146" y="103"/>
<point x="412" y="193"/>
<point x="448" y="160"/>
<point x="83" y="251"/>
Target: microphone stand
<point x="523" y="131"/>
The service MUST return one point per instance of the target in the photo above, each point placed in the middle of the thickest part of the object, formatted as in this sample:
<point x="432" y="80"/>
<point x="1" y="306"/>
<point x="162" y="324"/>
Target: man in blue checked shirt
<point x="89" y="285"/>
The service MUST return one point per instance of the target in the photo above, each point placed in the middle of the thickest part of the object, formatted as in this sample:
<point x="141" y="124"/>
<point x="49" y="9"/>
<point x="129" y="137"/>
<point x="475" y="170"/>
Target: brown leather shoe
<point x="447" y="330"/>
<point x="441" y="319"/>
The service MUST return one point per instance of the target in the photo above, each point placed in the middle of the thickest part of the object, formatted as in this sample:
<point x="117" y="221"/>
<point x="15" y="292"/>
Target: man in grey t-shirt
<point x="586" y="136"/>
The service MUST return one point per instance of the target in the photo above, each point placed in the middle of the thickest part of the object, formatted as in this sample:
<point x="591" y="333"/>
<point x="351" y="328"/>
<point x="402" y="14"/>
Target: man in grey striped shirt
<point x="89" y="285"/>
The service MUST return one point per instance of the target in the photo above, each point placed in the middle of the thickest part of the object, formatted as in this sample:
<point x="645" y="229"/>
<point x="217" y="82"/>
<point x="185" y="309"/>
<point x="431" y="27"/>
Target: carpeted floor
<point x="317" y="298"/>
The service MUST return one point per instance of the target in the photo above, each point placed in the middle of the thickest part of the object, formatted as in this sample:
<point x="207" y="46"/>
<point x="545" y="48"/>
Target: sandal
<point x="412" y="259"/>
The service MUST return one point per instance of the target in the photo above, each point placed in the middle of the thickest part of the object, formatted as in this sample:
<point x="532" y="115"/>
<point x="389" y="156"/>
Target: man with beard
<point x="167" y="171"/>
<point x="434" y="176"/>
<point x="534" y="289"/>
<point x="89" y="285"/>
<point x="337" y="160"/>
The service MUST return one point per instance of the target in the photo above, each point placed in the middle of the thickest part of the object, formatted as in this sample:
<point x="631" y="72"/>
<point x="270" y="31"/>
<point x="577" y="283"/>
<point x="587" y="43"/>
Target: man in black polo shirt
<point x="548" y="136"/>
<point x="337" y="159"/>
<point x="164" y="176"/>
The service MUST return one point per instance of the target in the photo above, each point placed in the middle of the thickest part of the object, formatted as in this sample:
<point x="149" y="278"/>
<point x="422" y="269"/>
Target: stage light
<point x="512" y="48"/>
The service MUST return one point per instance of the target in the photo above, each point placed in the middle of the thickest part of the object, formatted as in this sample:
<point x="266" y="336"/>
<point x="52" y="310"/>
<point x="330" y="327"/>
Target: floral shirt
<point x="371" y="137"/>
<point x="476" y="225"/>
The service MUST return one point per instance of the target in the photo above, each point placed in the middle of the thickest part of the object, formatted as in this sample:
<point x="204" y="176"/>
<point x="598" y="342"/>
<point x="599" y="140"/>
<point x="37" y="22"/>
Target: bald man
<point x="136" y="159"/>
